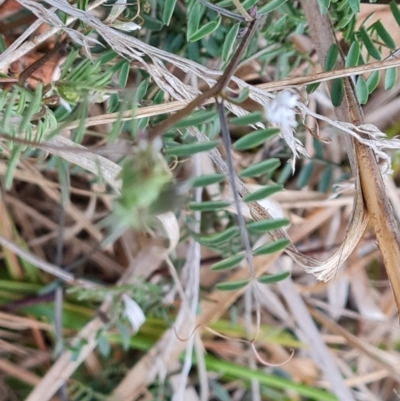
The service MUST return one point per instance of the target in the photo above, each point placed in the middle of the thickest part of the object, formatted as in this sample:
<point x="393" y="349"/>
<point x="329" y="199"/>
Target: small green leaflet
<point x="384" y="35"/>
<point x="362" y="90"/>
<point x="373" y="81"/>
<point x="395" y="11"/>
<point x="208" y="206"/>
<point x="205" y="30"/>
<point x="169" y="7"/>
<point x="331" y="57"/>
<point x="191" y="149"/>
<point x="390" y="78"/>
<point x="248" y="119"/>
<point x="232" y="286"/>
<point x="217" y="238"/>
<point x="272" y="247"/>
<point x="324" y="5"/>
<point x="266" y="166"/>
<point x="305" y="175"/>
<point x="369" y="45"/>
<point x="273" y="278"/>
<point x="196" y="118"/>
<point x="353" y="55"/>
<point x="228" y="263"/>
<point x="267" y="225"/>
<point x="229" y="42"/>
<point x="263" y="193"/>
<point x="270" y="6"/>
<point x="255" y="138"/>
<point x="206" y="179"/>
<point x="337" y="92"/>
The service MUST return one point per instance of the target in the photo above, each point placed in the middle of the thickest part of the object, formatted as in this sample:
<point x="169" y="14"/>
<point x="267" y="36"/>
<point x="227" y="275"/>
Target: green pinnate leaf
<point x="354" y="5"/>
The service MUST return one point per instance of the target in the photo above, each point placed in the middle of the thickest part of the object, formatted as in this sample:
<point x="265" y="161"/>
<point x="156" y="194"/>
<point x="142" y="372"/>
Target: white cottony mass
<point x="281" y="113"/>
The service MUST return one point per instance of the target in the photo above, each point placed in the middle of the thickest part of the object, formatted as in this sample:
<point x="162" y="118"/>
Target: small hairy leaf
<point x="205" y="30"/>
<point x="263" y="193"/>
<point x="267" y="225"/>
<point x="229" y="42"/>
<point x="233" y="285"/>
<point x="191" y="149"/>
<point x="273" y="278"/>
<point x="331" y="57"/>
<point x="141" y="90"/>
<point x="206" y="179"/>
<point x="123" y="74"/>
<point x="362" y="90"/>
<point x="390" y="78"/>
<point x="248" y="119"/>
<point x="208" y="206"/>
<point x="228" y="263"/>
<point x="270" y="6"/>
<point x="266" y="166"/>
<point x="169" y="7"/>
<point x="353" y="55"/>
<point x="255" y="138"/>
<point x="272" y="247"/>
<point x="193" y="20"/>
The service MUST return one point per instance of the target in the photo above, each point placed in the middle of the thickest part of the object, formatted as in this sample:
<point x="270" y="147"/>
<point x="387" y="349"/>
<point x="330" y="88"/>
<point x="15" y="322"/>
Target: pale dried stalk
<point x="363" y="161"/>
